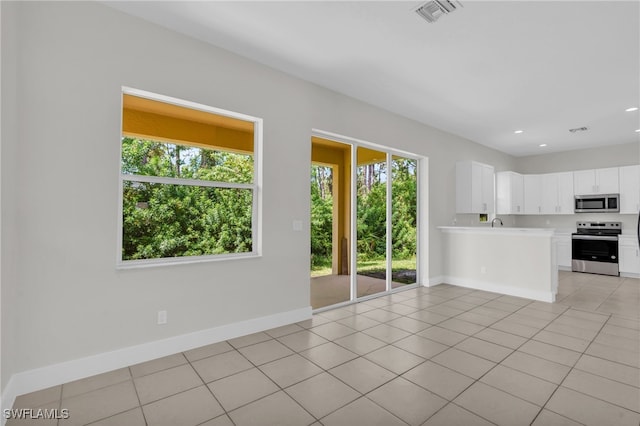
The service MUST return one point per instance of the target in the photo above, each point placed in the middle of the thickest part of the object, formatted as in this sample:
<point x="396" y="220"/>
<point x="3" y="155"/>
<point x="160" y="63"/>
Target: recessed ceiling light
<point x="631" y="109"/>
<point x="542" y="145"/>
<point x="517" y="132"/>
<point x="637" y="130"/>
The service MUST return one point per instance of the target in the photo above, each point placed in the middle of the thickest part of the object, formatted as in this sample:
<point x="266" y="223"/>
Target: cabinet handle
<point x="539" y="209"/>
<point x="518" y="209"/>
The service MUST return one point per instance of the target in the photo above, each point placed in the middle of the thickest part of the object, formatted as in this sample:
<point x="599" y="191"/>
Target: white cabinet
<point x="557" y="193"/>
<point x="509" y="193"/>
<point x="474" y="187"/>
<point x="598" y="181"/>
<point x="532" y="194"/>
<point x="628" y="255"/>
<point x="563" y="250"/>
<point x="551" y="193"/>
<point x="630" y="189"/>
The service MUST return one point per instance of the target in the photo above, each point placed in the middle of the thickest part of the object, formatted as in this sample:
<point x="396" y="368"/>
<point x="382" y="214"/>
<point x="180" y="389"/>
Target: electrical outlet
<point x="297" y="225"/>
<point x="483" y="269"/>
<point x="162" y="317"/>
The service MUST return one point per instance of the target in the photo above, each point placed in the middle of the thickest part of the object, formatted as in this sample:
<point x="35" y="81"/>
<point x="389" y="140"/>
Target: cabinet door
<point x="607" y="181"/>
<point x="474" y="187"/>
<point x="509" y="193"/>
<point x="503" y="192"/>
<point x="584" y="182"/>
<point x="488" y="191"/>
<point x="564" y="252"/>
<point x="517" y="194"/>
<point x="549" y="189"/>
<point x="532" y="194"/>
<point x="629" y="258"/>
<point x="630" y="189"/>
<point x="565" y="193"/>
<point x="477" y="201"/>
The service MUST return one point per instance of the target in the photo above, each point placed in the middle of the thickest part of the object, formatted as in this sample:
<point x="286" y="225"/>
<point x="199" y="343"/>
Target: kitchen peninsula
<point x="514" y="261"/>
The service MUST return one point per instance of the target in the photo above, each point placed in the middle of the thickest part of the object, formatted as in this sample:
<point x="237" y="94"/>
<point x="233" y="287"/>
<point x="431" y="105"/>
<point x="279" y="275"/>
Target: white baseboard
<point x="629" y="275"/>
<point x="433" y="281"/>
<point x="543" y="296"/>
<point x="56" y="374"/>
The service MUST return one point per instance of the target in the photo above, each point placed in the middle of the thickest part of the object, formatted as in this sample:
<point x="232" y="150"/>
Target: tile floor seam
<point x="281" y="389"/>
<point x="596" y="336"/>
<point x="369" y="391"/>
<point x="316" y="419"/>
<point x="608" y="296"/>
<point x="108" y="417"/>
<point x="144" y="417"/>
<point x="569" y="372"/>
<point x="483" y="418"/>
<point x="605" y="377"/>
<point x="599" y="399"/>
<point x="206" y="385"/>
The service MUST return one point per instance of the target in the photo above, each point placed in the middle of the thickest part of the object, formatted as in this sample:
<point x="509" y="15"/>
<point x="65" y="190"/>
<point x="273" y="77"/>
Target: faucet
<point x="494" y="221"/>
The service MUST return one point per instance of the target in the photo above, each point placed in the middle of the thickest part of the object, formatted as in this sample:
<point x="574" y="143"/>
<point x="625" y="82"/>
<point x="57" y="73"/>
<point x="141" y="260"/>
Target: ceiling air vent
<point x="433" y="10"/>
<point x="579" y="129"/>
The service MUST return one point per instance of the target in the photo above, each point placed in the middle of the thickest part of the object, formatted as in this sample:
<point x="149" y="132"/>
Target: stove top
<point x="599" y="228"/>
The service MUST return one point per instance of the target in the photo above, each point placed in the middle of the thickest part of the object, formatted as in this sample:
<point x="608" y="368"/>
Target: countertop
<point x="500" y="230"/>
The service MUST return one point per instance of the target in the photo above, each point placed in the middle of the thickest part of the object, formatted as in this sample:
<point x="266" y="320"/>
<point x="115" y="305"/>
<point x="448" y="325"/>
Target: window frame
<point x="255" y="186"/>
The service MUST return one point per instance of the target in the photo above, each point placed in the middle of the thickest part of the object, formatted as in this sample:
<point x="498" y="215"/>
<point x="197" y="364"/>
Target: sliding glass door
<point x="364" y="221"/>
<point x="404" y="221"/>
<point x="371" y="223"/>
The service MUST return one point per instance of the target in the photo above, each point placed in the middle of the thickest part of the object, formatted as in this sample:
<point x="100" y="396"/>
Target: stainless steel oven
<point x="594" y="248"/>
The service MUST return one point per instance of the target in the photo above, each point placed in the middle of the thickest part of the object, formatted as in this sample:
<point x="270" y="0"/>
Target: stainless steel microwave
<point x="601" y="203"/>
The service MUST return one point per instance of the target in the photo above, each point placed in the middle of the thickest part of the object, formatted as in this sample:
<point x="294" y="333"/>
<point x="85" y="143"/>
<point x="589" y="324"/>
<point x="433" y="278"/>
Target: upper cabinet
<point x="630" y="189"/>
<point x="474" y="187"/>
<point x="598" y="181"/>
<point x="550" y="193"/>
<point x="557" y="193"/>
<point x="509" y="193"/>
<point x="533" y="194"/>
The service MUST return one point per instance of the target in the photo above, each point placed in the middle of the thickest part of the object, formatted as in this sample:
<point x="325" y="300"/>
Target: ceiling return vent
<point x="433" y="10"/>
<point x="579" y="129"/>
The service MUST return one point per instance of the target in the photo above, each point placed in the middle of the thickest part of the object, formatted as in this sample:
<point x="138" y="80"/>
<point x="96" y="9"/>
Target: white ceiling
<point x="482" y="72"/>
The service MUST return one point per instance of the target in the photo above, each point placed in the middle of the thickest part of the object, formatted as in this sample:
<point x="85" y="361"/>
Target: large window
<point x="189" y="181"/>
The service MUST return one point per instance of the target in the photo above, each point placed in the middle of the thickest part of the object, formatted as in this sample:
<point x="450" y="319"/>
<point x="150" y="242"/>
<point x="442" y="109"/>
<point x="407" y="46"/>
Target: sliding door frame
<point x="422" y="210"/>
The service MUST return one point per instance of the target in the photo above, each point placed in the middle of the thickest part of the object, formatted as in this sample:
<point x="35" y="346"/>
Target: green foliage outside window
<point x="162" y="220"/>
<point x="371" y="212"/>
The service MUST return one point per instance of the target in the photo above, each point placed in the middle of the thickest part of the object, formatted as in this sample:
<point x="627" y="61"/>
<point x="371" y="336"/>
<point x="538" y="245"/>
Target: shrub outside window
<point x="189" y="181"/>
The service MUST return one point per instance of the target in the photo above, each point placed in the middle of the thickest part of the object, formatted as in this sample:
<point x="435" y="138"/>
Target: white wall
<point x="8" y="213"/>
<point x="65" y="297"/>
<point x="581" y="159"/>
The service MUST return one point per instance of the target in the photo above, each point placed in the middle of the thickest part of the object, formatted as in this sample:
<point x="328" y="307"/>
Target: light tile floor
<point x="443" y="355"/>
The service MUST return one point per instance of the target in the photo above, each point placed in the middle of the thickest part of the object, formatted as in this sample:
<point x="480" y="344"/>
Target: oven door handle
<point x="594" y="237"/>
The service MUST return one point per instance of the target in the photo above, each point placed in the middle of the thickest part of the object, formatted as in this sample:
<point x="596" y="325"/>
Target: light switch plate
<point x="297" y="225"/>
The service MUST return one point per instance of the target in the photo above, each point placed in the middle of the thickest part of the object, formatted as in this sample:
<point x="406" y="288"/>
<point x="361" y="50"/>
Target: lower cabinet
<point x="629" y="255"/>
<point x="563" y="251"/>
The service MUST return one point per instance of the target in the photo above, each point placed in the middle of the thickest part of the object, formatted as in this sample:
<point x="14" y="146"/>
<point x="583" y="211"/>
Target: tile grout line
<point x="135" y="388"/>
